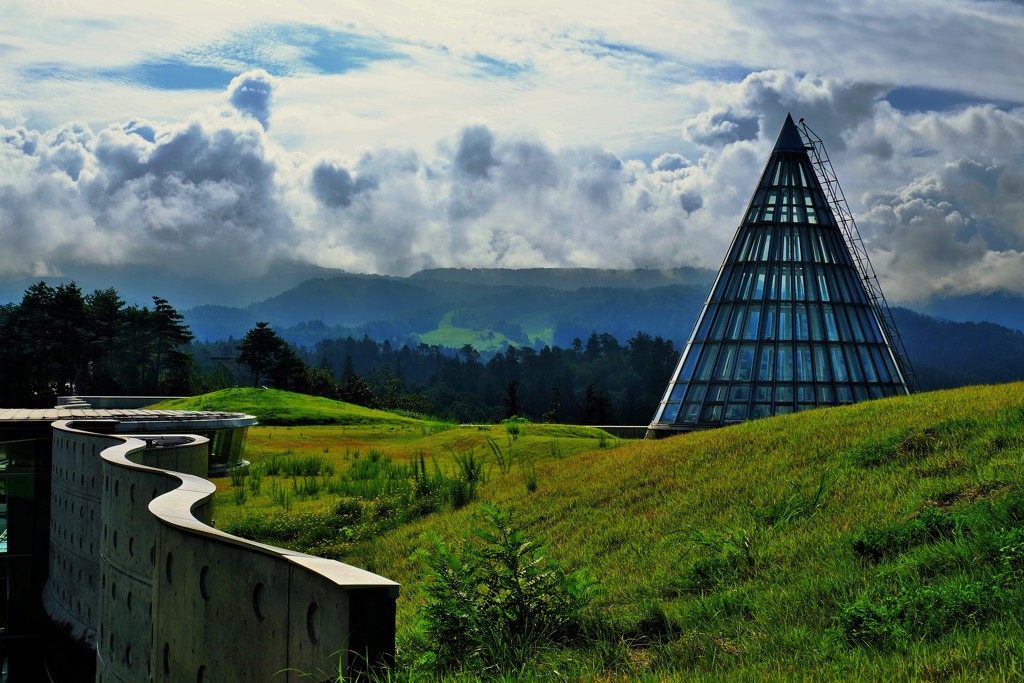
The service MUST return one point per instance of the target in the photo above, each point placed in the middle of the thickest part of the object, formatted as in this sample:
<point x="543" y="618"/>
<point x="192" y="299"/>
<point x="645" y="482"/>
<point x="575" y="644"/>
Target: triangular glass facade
<point x="788" y="324"/>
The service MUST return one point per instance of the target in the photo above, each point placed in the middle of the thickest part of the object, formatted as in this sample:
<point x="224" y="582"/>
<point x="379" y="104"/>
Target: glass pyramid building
<point x="789" y="324"/>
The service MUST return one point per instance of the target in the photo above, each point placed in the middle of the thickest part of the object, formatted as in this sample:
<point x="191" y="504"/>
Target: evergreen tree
<point x="170" y="334"/>
<point x="259" y="349"/>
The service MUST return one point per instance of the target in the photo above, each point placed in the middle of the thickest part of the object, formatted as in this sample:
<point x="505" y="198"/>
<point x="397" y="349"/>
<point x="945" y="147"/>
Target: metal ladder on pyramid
<point x="858" y="252"/>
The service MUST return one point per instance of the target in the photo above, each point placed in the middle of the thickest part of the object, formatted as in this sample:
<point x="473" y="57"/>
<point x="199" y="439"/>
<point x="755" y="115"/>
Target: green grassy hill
<point x="276" y="407"/>
<point x="881" y="541"/>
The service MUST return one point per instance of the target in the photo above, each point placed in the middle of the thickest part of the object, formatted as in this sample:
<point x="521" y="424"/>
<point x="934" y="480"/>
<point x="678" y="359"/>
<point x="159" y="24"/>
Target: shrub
<point x="498" y="599"/>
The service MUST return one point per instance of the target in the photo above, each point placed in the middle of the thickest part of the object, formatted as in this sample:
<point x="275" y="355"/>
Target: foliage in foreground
<point x="497" y="600"/>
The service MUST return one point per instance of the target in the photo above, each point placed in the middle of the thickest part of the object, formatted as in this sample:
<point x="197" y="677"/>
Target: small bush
<point x="491" y="604"/>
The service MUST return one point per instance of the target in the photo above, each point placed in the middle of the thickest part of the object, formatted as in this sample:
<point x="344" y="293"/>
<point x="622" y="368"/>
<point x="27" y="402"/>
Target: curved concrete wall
<point x="166" y="597"/>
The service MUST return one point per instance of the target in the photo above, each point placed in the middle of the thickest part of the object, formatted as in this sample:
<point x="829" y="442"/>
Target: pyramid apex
<point x="789" y="137"/>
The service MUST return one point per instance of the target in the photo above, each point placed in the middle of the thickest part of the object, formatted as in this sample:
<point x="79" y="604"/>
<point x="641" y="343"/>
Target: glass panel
<point x="696" y="392"/>
<point x="844" y="326"/>
<point x="856" y="288"/>
<point x="670" y="413"/>
<point x="858" y="331"/>
<point x="826" y="257"/>
<point x="823" y="288"/>
<point x="843" y="394"/>
<point x="798" y="283"/>
<point x="678" y="390"/>
<point x="809" y="283"/>
<point x="763" y="393"/>
<point x="831" y="330"/>
<point x="860" y="393"/>
<point x="705" y="323"/>
<point x="875" y="391"/>
<point x="726" y="359"/>
<point x="821" y="369"/>
<point x="825" y="394"/>
<point x="745" y="364"/>
<point x="784" y="369"/>
<point x="797" y="252"/>
<point x="802" y="331"/>
<point x="814" y="312"/>
<point x="784" y="246"/>
<point x="712" y="414"/>
<point x="769" y="322"/>
<point x="721" y="322"/>
<point x="773" y="283"/>
<point x="690" y="412"/>
<point x="707" y="362"/>
<point x="736" y="412"/>
<point x="743" y="247"/>
<point x="844" y="287"/>
<point x="736" y="322"/>
<point x="765" y="365"/>
<point x="691" y="360"/>
<point x="783" y="394"/>
<point x="881" y="365"/>
<point x="839" y="364"/>
<point x="760" y="410"/>
<point x="783" y="410"/>
<point x="753" y="319"/>
<point x="853" y="365"/>
<point x="867" y="322"/>
<point x="717" y="392"/>
<point x="785" y="321"/>
<point x="767" y="246"/>
<point x="733" y="283"/>
<point x="740" y="392"/>
<point x="869" y="365"/>
<point x="805" y="393"/>
<point x="785" y="282"/>
<point x="759" y="284"/>
<point x="746" y="285"/>
<point x="803" y="363"/>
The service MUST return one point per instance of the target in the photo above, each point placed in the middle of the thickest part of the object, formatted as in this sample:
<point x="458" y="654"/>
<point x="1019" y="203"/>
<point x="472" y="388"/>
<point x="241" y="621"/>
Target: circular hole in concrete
<point x="259" y="600"/>
<point x="204" y="582"/>
<point x="313" y="622"/>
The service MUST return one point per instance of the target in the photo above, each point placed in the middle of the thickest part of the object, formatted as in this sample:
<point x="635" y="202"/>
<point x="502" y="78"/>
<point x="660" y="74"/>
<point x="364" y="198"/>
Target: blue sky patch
<point x="625" y="49"/>
<point x="281" y="50"/>
<point x="917" y="99"/>
<point x="172" y="74"/>
<point x="498" y="68"/>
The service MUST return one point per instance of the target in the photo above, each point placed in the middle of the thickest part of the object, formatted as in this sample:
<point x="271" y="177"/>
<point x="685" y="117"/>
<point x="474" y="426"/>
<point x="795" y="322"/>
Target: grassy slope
<point x="642" y="516"/>
<point x="653" y="520"/>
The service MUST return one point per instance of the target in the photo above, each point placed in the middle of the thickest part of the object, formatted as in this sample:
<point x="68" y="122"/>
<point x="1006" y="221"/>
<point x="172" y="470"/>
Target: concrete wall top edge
<point x="175" y="508"/>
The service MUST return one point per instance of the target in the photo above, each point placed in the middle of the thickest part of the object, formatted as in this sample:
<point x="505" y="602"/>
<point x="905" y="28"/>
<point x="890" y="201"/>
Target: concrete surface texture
<point x="137" y="572"/>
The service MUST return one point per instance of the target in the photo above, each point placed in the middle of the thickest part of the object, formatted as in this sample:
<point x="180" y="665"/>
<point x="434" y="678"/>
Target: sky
<point x="218" y="138"/>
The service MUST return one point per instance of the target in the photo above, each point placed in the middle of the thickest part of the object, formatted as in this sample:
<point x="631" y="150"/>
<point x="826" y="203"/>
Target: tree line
<point x="57" y="341"/>
<point x="599" y="381"/>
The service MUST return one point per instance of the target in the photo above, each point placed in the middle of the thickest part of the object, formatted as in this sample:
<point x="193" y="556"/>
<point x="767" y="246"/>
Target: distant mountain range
<point x="953" y="340"/>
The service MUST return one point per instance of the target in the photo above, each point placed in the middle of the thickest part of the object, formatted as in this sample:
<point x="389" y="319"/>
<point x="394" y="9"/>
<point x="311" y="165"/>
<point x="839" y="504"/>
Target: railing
<point x="859" y="253"/>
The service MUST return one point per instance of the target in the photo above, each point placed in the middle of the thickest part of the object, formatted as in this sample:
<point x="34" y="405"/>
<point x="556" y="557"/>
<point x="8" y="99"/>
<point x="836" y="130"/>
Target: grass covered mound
<point x="879" y="541"/>
<point x="275" y="407"/>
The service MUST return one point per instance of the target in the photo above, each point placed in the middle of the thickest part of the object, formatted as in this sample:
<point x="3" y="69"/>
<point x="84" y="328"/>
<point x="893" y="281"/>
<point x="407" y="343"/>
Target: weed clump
<point x="495" y="601"/>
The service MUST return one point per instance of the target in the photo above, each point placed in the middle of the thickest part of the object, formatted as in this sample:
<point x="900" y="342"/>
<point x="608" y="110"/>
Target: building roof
<point x="151" y="419"/>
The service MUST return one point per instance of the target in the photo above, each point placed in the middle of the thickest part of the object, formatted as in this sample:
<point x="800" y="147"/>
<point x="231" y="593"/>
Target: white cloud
<point x="589" y="134"/>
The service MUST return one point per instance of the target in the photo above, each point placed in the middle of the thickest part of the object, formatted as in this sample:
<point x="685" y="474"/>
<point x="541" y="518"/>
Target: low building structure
<point x="114" y="573"/>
